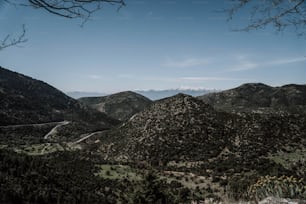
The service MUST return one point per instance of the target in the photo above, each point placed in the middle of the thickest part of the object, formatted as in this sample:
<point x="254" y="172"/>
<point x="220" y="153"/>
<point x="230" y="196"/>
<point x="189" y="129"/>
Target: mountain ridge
<point x="259" y="97"/>
<point x="187" y="119"/>
<point x="120" y="105"/>
<point x="152" y="94"/>
<point x="25" y="100"/>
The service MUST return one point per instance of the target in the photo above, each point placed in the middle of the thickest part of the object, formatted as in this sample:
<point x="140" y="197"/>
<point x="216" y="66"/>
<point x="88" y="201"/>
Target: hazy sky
<point x="150" y="44"/>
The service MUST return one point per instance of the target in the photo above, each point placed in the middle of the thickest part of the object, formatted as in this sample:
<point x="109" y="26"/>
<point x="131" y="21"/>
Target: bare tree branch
<point x="281" y="14"/>
<point x="82" y="9"/>
<point x="9" y="41"/>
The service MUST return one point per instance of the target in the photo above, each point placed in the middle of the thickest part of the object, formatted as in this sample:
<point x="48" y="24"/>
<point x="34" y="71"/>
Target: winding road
<point x="86" y="137"/>
<point x="31" y="125"/>
<point x="54" y="130"/>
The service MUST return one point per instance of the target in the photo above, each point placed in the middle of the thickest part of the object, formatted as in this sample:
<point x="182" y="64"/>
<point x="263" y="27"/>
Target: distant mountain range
<point x="159" y="94"/>
<point x="151" y="94"/>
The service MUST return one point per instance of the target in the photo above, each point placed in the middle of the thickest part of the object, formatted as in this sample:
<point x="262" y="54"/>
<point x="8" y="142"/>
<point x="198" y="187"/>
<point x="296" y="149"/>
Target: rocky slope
<point x="120" y="105"/>
<point x="183" y="127"/>
<point x="24" y="100"/>
<point x="257" y="97"/>
<point x="173" y="126"/>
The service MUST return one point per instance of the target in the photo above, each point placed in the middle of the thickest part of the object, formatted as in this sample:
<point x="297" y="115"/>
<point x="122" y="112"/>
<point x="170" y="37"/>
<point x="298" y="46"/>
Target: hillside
<point x="257" y="97"/>
<point x="182" y="133"/>
<point x="24" y="100"/>
<point x="168" y="127"/>
<point x="195" y="150"/>
<point x="121" y="105"/>
<point x="185" y="128"/>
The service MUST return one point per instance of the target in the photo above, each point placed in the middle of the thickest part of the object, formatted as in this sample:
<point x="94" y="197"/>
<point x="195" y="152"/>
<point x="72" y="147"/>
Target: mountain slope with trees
<point x="24" y="100"/>
<point x="121" y="105"/>
<point x="182" y="131"/>
<point x="257" y="97"/>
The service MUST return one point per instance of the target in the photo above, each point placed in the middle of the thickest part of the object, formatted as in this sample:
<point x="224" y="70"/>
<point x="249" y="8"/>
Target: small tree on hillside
<point x="151" y="192"/>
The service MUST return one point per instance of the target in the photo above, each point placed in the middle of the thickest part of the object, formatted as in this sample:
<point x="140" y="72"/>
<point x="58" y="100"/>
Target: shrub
<point x="108" y="173"/>
<point x="237" y="187"/>
<point x="282" y="187"/>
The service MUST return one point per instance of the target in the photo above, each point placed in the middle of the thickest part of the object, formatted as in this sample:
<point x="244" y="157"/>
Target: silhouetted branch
<point x="9" y="41"/>
<point x="82" y="9"/>
<point x="69" y="8"/>
<point x="280" y="14"/>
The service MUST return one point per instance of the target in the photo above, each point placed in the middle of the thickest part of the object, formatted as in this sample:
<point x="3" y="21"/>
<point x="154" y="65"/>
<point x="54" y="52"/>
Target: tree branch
<point x="280" y="14"/>
<point x="82" y="9"/>
<point x="9" y="41"/>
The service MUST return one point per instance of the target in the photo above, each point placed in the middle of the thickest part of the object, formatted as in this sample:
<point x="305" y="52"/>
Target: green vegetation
<point x="291" y="159"/>
<point x="3" y="146"/>
<point x="151" y="191"/>
<point x="61" y="177"/>
<point x="281" y="187"/>
<point x="118" y="172"/>
<point x="43" y="148"/>
<point x="238" y="185"/>
<point x="200" y="187"/>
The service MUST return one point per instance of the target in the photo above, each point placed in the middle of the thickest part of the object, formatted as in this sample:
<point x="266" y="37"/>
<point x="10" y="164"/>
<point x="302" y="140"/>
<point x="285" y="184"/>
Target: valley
<point x="225" y="147"/>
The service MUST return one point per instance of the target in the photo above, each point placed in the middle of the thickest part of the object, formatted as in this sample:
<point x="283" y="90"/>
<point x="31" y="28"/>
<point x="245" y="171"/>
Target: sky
<point x="160" y="44"/>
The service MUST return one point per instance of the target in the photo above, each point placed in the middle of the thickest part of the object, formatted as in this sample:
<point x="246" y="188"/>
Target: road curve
<point x="54" y="130"/>
<point x="86" y="137"/>
<point x="31" y="125"/>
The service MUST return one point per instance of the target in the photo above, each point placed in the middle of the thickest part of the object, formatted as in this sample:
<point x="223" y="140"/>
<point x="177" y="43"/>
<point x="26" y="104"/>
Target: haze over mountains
<point x="151" y="94"/>
<point x="213" y="146"/>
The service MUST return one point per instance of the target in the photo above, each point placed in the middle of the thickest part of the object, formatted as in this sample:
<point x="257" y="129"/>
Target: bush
<point x="237" y="187"/>
<point x="281" y="187"/>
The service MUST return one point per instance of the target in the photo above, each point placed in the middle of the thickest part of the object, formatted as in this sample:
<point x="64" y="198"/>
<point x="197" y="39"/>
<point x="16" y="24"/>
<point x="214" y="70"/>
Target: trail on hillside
<point x="88" y="135"/>
<point x="32" y="125"/>
<point x="54" y="130"/>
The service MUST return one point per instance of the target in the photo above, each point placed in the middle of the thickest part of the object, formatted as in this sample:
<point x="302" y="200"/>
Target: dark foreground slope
<point x="24" y="100"/>
<point x="257" y="97"/>
<point x="120" y="105"/>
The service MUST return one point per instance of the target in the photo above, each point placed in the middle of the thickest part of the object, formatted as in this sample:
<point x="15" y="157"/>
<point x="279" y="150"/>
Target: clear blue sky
<point x="150" y="44"/>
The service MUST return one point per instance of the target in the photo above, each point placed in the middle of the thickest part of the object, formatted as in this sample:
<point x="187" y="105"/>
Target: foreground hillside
<point x="261" y="98"/>
<point x="183" y="127"/>
<point x="121" y="105"/>
<point x="182" y="133"/>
